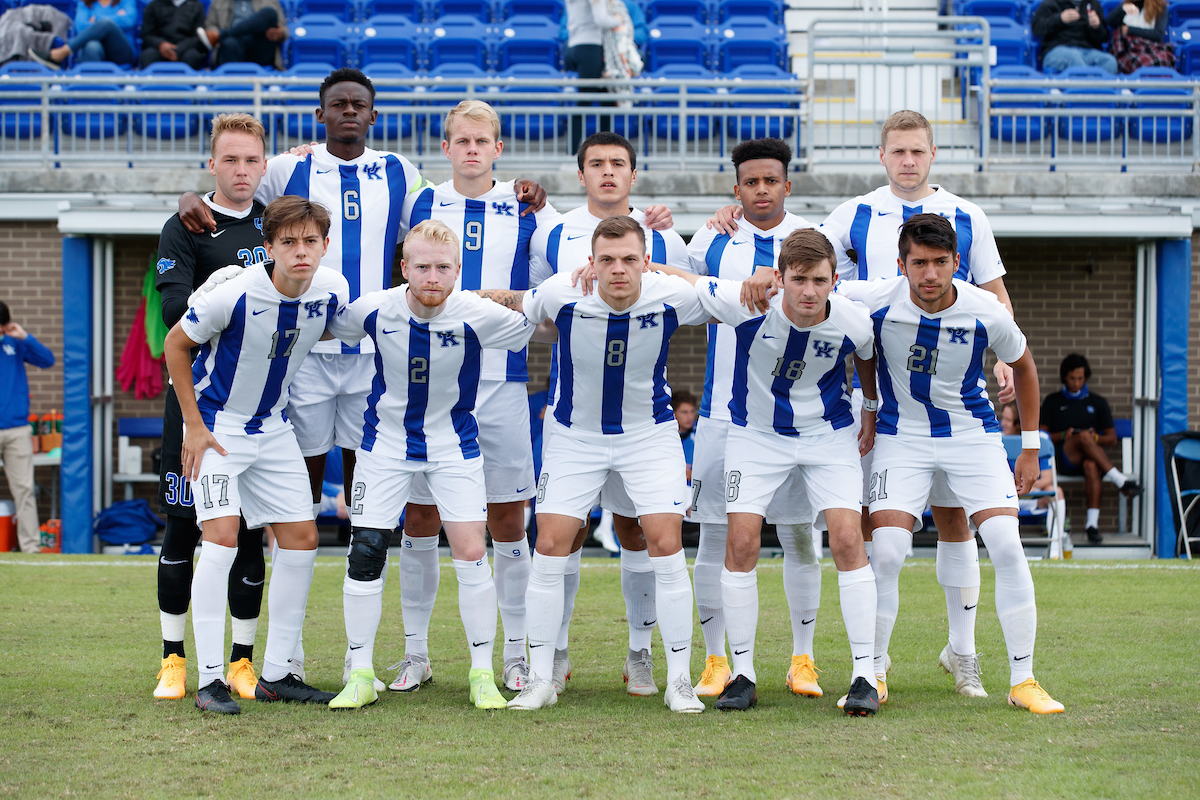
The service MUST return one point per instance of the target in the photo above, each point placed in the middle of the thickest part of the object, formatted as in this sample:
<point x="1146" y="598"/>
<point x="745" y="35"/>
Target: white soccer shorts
<point x="505" y="442"/>
<point x="759" y="463"/>
<point x="613" y="496"/>
<point x="328" y="399"/>
<point x="939" y="494"/>
<point x="263" y="478"/>
<point x="578" y="464"/>
<point x="976" y="470"/>
<point x="788" y="507"/>
<point x="382" y="485"/>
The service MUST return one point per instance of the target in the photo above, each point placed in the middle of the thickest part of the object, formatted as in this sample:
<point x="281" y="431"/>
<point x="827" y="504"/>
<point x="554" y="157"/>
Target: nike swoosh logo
<point x="1020" y="658"/>
<point x="248" y="582"/>
<point x="882" y="213"/>
<point x="360" y="647"/>
<point x="651" y="622"/>
<point x="740" y="652"/>
<point x="386" y="331"/>
<point x="968" y="608"/>
<point x="532" y="645"/>
<point x="735" y="244"/>
<point x="323" y="171"/>
<point x="213" y="666"/>
<point x="173" y="563"/>
<point x="706" y="621"/>
<point x="767" y="336"/>
<point x="409" y="634"/>
<point x="681" y="649"/>
<point x="479" y="644"/>
<point x="859" y="658"/>
<point x="516" y="640"/>
<point x="587" y="316"/>
<point x="808" y="621"/>
<point x="443" y="204"/>
<point x="1010" y="496"/>
<point x="573" y="238"/>
<point x="525" y="489"/>
<point x="256" y="313"/>
<point x="216" y="234"/>
<point x="678" y="502"/>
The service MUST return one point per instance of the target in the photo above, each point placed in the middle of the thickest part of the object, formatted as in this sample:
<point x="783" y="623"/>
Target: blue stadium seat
<point x="553" y="10"/>
<point x="65" y="6"/>
<point x="415" y="10"/>
<point x="756" y="127"/>
<point x="1025" y="127"/>
<point x="96" y="124"/>
<point x="320" y="39"/>
<point x="531" y="125"/>
<point x="299" y="119"/>
<point x="699" y="126"/>
<point x="528" y="39"/>
<point x="1095" y="126"/>
<point x="447" y="93"/>
<point x="288" y="6"/>
<point x="1181" y="11"/>
<point x="459" y="39"/>
<point x="1161" y="130"/>
<point x="345" y="10"/>
<point x="1186" y="39"/>
<point x="696" y="9"/>
<point x="395" y="115"/>
<point x="393" y="39"/>
<point x="240" y="69"/>
<point x="770" y="10"/>
<point x="22" y="124"/>
<point x="1015" y="10"/>
<point x="750" y="40"/>
<point x="167" y="125"/>
<point x="678" y="40"/>
<point x="481" y="10"/>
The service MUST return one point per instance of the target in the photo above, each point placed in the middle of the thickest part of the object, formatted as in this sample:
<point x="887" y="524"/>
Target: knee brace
<point x="368" y="554"/>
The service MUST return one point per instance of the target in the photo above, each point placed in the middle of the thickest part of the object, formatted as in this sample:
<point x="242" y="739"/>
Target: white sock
<point x="543" y="610"/>
<point x="637" y="586"/>
<point x="477" y="607"/>
<point x="801" y="584"/>
<point x="210" y="590"/>
<point x="673" y="602"/>
<point x="511" y="565"/>
<point x="706" y="578"/>
<point x="1116" y="476"/>
<point x="1060" y="523"/>
<point x="890" y="546"/>
<point x="856" y="590"/>
<point x="362" y="606"/>
<point x="287" y="599"/>
<point x="740" y="592"/>
<point x="1093" y="518"/>
<point x="867" y="547"/>
<point x="419" y="577"/>
<point x="174" y="626"/>
<point x="958" y="573"/>
<point x="1015" y="603"/>
<point x="570" y="589"/>
<point x="244" y="630"/>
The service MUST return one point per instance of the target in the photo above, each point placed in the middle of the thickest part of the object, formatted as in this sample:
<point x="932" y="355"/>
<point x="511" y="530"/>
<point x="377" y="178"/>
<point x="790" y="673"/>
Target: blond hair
<point x="237" y="123"/>
<point x="906" y="121"/>
<point x="434" y="232"/>
<point x="474" y="111"/>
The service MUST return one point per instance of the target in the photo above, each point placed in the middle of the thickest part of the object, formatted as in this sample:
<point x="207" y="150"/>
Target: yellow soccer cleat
<point x="715" y="677"/>
<point x="1029" y="694"/>
<point x="802" y="676"/>
<point x="484" y="693"/>
<point x="172" y="678"/>
<point x="880" y="687"/>
<point x="359" y="691"/>
<point x="241" y="678"/>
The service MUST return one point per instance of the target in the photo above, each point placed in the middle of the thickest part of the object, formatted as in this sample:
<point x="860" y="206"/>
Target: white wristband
<point x="1031" y="440"/>
<point x="870" y="405"/>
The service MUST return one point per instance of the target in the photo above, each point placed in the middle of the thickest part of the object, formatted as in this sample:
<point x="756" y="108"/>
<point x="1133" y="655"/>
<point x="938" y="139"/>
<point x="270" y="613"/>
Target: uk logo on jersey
<point x="648" y="320"/>
<point x="957" y="335"/>
<point x="258" y="224"/>
<point x="192" y="318"/>
<point x="313" y="307"/>
<point x="447" y="339"/>
<point x="503" y="209"/>
<point x="712" y="288"/>
<point x="822" y="349"/>
<point x="372" y="171"/>
<point x="165" y="264"/>
<point x="9" y="350"/>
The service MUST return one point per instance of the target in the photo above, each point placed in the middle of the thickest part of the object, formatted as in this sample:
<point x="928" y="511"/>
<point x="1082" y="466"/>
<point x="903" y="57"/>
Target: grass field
<point x="79" y="649"/>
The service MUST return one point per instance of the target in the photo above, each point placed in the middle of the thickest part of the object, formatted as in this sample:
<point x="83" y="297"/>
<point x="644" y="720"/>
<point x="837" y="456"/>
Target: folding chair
<point x="1186" y="450"/>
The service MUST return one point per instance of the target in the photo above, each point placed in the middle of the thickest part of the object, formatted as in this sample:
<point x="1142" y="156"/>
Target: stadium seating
<point x="96" y="124"/>
<point x="233" y="68"/>
<point x="1187" y="451"/>
<point x="1161" y="130"/>
<point x="459" y="39"/>
<point x="441" y="97"/>
<point x="677" y="40"/>
<point x="24" y="124"/>
<point x="299" y="121"/>
<point x="395" y="115"/>
<point x="345" y="10"/>
<point x="413" y="9"/>
<point x="168" y="125"/>
<point x="553" y="10"/>
<point x="1016" y="10"/>
<point x="528" y="39"/>
<point x="699" y="126"/>
<point x="477" y="9"/>
<point x="750" y="40"/>
<point x="769" y="10"/>
<point x="393" y="39"/>
<point x="755" y="127"/>
<point x="1094" y="126"/>
<point x="65" y="6"/>
<point x="1181" y="11"/>
<point x="320" y="39"/>
<point x="1186" y="39"/>
<point x="531" y="125"/>
<point x="1019" y="128"/>
<point x="696" y="9"/>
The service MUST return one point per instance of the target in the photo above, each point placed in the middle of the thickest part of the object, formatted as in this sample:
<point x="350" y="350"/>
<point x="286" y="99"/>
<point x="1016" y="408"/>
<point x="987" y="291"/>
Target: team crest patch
<point x="164" y="264"/>
<point x="258" y="224"/>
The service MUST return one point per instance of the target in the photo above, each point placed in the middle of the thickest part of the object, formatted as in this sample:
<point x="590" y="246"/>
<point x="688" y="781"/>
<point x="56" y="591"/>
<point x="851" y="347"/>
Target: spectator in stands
<point x="169" y="33"/>
<point x="245" y="30"/>
<point x="1072" y="33"/>
<point x="686" y="411"/>
<point x="1081" y="425"/>
<point x="105" y="33"/>
<point x="1139" y="35"/>
<point x="586" y="22"/>
<point x="18" y="348"/>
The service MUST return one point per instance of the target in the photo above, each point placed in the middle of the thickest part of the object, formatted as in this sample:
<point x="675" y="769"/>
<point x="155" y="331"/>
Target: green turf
<point x="79" y="648"/>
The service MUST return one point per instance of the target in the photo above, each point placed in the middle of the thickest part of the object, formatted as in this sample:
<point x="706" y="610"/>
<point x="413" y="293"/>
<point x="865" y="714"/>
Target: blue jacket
<point x="14" y="398"/>
<point x="124" y="13"/>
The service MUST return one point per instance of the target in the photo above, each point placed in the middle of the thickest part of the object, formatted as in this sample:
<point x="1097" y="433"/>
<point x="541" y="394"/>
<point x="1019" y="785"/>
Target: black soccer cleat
<point x="1094" y="536"/>
<point x="1132" y="489"/>
<point x="738" y="695"/>
<point x="215" y="698"/>
<point x="290" y="689"/>
<point x="863" y="699"/>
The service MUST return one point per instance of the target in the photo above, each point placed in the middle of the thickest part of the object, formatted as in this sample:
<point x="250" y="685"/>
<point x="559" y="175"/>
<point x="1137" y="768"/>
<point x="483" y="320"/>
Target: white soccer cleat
<point x="516" y="674"/>
<point x="379" y="685"/>
<point x="681" y="698"/>
<point x="562" y="671"/>
<point x="414" y="671"/>
<point x="965" y="670"/>
<point x="538" y="693"/>
<point x="639" y="675"/>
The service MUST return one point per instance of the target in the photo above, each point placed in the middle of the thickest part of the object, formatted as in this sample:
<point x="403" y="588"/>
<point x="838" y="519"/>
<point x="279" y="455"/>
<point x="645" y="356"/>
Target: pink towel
<point x="138" y="368"/>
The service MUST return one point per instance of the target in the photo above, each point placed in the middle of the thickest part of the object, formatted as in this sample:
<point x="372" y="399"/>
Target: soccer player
<point x="495" y="236"/>
<point x="186" y="260"/>
<point x="607" y="171"/>
<point x="761" y="186"/>
<point x="931" y="334"/>
<point x="790" y="413"/>
<point x="612" y="416"/>
<point x="239" y="450"/>
<point x="419" y="421"/>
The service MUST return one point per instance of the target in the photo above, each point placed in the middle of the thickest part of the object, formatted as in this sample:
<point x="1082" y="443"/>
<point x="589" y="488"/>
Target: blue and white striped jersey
<point x="252" y="342"/>
<point x="930" y="366"/>
<point x="736" y="258"/>
<point x="566" y="245"/>
<point x="365" y="200"/>
<point x="612" y="366"/>
<point x="422" y="401"/>
<point x="789" y="380"/>
<point x="491" y="225"/>
<point x="870" y="226"/>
